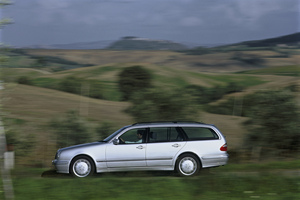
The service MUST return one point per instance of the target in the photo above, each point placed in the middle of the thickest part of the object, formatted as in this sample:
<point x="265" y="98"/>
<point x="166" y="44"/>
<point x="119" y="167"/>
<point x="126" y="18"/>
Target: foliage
<point x="248" y="59"/>
<point x="133" y="79"/>
<point x="20" y="58"/>
<point x="24" y="80"/>
<point x="206" y="95"/>
<point x="104" y="130"/>
<point x="232" y="106"/>
<point x="292" y="70"/>
<point x="23" y="143"/>
<point x="70" y="84"/>
<point x="44" y="82"/>
<point x="160" y="105"/>
<point x="274" y="121"/>
<point x="70" y="130"/>
<point x="274" y="118"/>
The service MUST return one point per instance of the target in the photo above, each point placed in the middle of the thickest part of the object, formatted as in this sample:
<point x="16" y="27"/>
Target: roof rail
<point x="174" y="122"/>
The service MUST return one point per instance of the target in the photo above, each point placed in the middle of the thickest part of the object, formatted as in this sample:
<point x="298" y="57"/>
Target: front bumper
<point x="61" y="166"/>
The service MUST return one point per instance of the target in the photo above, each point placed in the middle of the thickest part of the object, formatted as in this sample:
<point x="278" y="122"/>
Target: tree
<point x="133" y="79"/>
<point x="274" y="121"/>
<point x="71" y="84"/>
<point x="162" y="105"/>
<point x="70" y="130"/>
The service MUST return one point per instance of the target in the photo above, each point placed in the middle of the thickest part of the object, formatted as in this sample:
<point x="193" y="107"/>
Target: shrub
<point x="133" y="79"/>
<point x="160" y="105"/>
<point x="24" y="80"/>
<point x="274" y="121"/>
<point x="70" y="130"/>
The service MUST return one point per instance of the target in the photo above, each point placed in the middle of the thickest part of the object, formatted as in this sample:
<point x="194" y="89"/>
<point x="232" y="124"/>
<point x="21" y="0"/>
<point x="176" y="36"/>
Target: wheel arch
<point x="187" y="153"/>
<point x="85" y="155"/>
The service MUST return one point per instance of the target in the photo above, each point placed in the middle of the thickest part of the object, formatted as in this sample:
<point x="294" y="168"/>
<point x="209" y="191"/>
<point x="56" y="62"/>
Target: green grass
<point x="293" y="70"/>
<point x="229" y="182"/>
<point x="45" y="82"/>
<point x="243" y="80"/>
<point x="28" y="184"/>
<point x="274" y="165"/>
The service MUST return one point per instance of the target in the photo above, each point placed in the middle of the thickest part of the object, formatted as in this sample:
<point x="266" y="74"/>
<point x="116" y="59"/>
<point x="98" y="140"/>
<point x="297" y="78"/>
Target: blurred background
<point x="76" y="71"/>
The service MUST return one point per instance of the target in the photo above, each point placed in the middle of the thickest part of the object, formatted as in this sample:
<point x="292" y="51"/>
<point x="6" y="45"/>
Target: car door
<point x="163" y="144"/>
<point x="127" y="154"/>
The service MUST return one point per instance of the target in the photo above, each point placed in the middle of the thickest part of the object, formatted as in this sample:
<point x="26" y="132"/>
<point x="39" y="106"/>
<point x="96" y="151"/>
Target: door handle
<point x="140" y="147"/>
<point x="176" y="145"/>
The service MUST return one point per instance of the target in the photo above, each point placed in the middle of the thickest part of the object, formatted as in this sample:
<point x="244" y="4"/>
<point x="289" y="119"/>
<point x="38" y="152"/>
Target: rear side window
<point x="200" y="133"/>
<point x="164" y="134"/>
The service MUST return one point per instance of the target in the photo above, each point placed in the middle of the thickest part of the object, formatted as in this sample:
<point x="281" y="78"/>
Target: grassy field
<point x="274" y="180"/>
<point x="160" y="187"/>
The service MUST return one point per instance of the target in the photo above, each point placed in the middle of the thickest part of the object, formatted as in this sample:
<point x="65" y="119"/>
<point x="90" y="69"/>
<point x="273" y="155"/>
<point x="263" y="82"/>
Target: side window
<point x="159" y="134"/>
<point x="164" y="134"/>
<point x="200" y="133"/>
<point x="133" y="136"/>
<point x="175" y="134"/>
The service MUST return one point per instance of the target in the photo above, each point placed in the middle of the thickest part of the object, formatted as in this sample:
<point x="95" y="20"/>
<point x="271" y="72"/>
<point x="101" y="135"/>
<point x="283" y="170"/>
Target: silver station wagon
<point x="185" y="147"/>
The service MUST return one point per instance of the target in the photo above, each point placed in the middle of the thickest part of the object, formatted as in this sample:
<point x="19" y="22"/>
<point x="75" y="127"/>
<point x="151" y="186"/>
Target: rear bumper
<point x="61" y="166"/>
<point x="214" y="160"/>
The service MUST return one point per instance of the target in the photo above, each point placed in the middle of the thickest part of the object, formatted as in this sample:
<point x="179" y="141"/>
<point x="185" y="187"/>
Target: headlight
<point x="57" y="154"/>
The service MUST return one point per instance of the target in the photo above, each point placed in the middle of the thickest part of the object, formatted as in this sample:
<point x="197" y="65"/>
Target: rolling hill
<point x="137" y="43"/>
<point x="28" y="109"/>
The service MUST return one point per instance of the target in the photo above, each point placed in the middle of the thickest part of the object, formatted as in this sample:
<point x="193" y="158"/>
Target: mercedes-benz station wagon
<point x="185" y="147"/>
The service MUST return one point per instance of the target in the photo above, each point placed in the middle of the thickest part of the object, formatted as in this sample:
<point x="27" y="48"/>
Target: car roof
<point x="169" y="123"/>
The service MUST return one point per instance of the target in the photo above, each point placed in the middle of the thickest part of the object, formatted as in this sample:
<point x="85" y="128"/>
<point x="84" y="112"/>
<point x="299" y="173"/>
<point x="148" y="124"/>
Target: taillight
<point x="224" y="147"/>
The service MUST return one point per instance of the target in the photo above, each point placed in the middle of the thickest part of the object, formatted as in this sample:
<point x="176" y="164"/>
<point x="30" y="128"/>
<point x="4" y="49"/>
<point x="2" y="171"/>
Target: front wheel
<point x="188" y="165"/>
<point x="82" y="166"/>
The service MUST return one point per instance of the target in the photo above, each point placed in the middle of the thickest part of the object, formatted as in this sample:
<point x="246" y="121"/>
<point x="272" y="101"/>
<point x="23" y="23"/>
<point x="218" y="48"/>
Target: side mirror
<point x="116" y="141"/>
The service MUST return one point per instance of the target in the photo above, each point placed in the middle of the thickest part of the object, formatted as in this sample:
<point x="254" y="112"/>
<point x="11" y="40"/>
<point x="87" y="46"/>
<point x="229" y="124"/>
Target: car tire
<point x="82" y="166"/>
<point x="188" y="165"/>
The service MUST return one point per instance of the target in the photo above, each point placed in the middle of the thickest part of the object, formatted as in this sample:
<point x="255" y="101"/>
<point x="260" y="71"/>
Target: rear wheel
<point x="188" y="165"/>
<point x="82" y="166"/>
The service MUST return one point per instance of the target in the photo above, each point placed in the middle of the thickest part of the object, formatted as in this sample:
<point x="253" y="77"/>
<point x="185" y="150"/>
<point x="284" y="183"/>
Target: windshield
<point x="114" y="134"/>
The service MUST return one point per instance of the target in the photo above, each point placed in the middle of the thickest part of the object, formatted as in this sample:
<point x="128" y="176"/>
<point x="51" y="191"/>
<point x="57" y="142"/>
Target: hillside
<point x="28" y="109"/>
<point x="135" y="43"/>
<point x="222" y="61"/>
<point x="286" y="40"/>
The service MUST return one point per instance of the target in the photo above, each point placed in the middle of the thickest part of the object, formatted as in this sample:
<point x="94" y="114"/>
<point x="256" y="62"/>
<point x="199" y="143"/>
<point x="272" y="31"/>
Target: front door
<point x="130" y="152"/>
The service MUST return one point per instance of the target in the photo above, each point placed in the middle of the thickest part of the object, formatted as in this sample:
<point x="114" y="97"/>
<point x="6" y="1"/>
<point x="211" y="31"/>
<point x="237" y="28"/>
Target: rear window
<point x="200" y="133"/>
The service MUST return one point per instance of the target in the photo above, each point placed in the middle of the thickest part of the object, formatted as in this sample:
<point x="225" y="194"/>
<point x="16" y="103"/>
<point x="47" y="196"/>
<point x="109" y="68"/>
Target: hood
<point x="82" y="145"/>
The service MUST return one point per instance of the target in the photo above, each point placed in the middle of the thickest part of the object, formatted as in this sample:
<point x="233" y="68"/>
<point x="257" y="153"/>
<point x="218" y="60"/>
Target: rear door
<point x="163" y="144"/>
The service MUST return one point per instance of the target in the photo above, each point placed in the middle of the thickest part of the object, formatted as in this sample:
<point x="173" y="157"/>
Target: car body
<point x="182" y="146"/>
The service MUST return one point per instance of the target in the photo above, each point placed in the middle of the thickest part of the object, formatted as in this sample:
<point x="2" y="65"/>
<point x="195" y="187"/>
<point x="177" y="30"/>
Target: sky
<point x="198" y="22"/>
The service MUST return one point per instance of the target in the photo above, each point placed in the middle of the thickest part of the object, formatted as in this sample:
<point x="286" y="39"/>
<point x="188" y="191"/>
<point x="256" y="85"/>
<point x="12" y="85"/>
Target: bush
<point x="160" y="105"/>
<point x="24" y="80"/>
<point x="70" y="130"/>
<point x="274" y="121"/>
<point x="206" y="95"/>
<point x="133" y="79"/>
<point x="71" y="84"/>
<point x="104" y="130"/>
